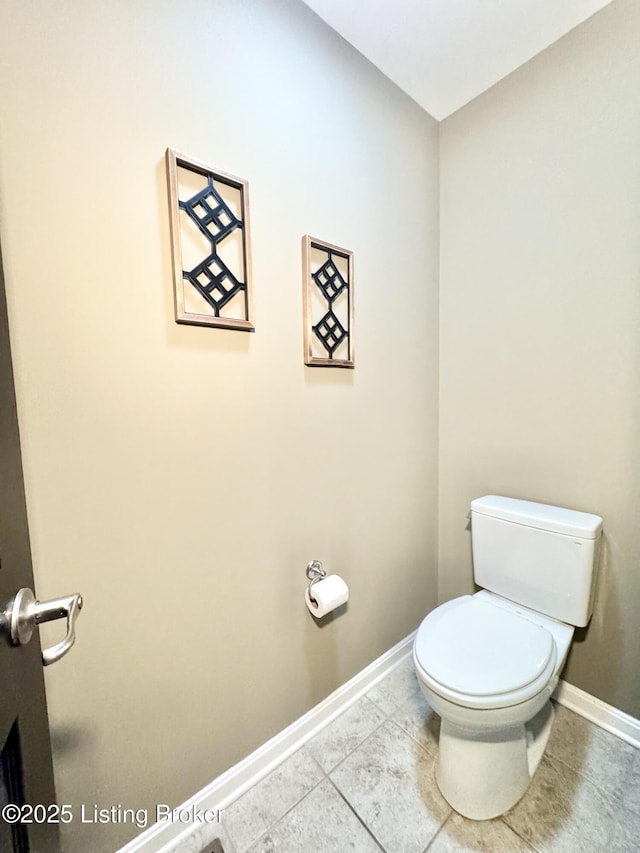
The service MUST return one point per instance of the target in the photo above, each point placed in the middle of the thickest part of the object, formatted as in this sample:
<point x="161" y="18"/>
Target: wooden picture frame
<point x="328" y="304"/>
<point x="210" y="244"/>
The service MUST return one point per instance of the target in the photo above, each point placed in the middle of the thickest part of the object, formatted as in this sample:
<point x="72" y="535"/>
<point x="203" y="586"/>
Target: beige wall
<point x="180" y="477"/>
<point x="540" y="310"/>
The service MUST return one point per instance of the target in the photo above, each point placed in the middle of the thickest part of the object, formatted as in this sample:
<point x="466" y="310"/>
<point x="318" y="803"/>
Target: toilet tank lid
<point x="571" y="522"/>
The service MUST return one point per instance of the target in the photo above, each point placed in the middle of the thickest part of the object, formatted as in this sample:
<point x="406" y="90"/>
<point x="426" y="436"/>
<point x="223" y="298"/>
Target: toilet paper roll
<point x="326" y="595"/>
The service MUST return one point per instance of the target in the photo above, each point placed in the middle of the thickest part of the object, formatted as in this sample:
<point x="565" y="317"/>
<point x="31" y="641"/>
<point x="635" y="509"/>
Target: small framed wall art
<point x="327" y="272"/>
<point x="210" y="244"/>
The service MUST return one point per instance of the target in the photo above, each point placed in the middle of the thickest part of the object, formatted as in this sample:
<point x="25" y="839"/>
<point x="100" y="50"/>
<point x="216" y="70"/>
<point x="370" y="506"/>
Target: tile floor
<point x="366" y="783"/>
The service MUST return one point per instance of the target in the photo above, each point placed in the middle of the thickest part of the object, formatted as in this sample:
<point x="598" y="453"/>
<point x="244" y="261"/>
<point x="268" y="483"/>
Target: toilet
<point x="488" y="663"/>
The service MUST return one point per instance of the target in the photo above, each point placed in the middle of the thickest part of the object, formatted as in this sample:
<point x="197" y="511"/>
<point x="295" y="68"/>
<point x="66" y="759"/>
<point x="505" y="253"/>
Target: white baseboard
<point x="174" y="836"/>
<point x="171" y="836"/>
<point x="605" y="716"/>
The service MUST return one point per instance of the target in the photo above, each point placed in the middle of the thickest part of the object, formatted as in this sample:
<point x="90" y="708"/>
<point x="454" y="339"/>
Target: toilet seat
<point x="482" y="656"/>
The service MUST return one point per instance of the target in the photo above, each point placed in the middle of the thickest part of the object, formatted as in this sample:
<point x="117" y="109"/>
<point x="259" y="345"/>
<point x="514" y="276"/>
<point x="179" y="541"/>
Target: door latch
<point x="22" y="613"/>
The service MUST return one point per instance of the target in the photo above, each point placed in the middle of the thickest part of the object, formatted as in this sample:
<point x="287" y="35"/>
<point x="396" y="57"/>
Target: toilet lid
<point x="478" y="649"/>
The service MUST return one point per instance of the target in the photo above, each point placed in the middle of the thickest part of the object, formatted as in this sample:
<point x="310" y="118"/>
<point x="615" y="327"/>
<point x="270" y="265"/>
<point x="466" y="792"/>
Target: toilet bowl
<point x="488" y="663"/>
<point x="488" y="667"/>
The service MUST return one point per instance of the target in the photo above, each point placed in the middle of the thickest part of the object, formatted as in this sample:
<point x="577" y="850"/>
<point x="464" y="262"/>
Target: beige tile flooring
<point x="366" y="783"/>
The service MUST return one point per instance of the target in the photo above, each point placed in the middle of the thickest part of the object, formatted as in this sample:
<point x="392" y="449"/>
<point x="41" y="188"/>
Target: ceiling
<point x="445" y="52"/>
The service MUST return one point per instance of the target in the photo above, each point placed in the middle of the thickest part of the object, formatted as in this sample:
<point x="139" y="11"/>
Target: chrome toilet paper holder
<point x="315" y="573"/>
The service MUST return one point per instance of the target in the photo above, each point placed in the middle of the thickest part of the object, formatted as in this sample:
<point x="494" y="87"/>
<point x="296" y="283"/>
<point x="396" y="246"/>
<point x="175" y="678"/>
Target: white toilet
<point x="488" y="663"/>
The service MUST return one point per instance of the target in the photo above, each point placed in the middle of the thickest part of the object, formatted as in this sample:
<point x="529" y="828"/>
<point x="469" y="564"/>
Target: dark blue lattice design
<point x="329" y="280"/>
<point x="329" y="330"/>
<point x="212" y="278"/>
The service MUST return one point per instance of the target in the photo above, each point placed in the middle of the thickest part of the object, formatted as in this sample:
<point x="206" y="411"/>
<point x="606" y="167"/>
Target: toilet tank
<point x="543" y="557"/>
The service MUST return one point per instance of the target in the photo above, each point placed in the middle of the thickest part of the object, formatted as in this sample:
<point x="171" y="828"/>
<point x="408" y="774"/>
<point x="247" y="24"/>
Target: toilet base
<point x="484" y="774"/>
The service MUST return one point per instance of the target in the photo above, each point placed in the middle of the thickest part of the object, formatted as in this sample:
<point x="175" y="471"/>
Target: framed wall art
<point x="327" y="272"/>
<point x="210" y="243"/>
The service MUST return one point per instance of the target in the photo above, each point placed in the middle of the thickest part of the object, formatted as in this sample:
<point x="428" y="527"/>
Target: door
<point x="26" y="772"/>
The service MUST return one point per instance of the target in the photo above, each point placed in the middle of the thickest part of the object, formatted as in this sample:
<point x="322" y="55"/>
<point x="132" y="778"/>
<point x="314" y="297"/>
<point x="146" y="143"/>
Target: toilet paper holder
<point x="315" y="573"/>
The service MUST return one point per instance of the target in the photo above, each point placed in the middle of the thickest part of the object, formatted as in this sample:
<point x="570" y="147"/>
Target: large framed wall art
<point x="211" y="244"/>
